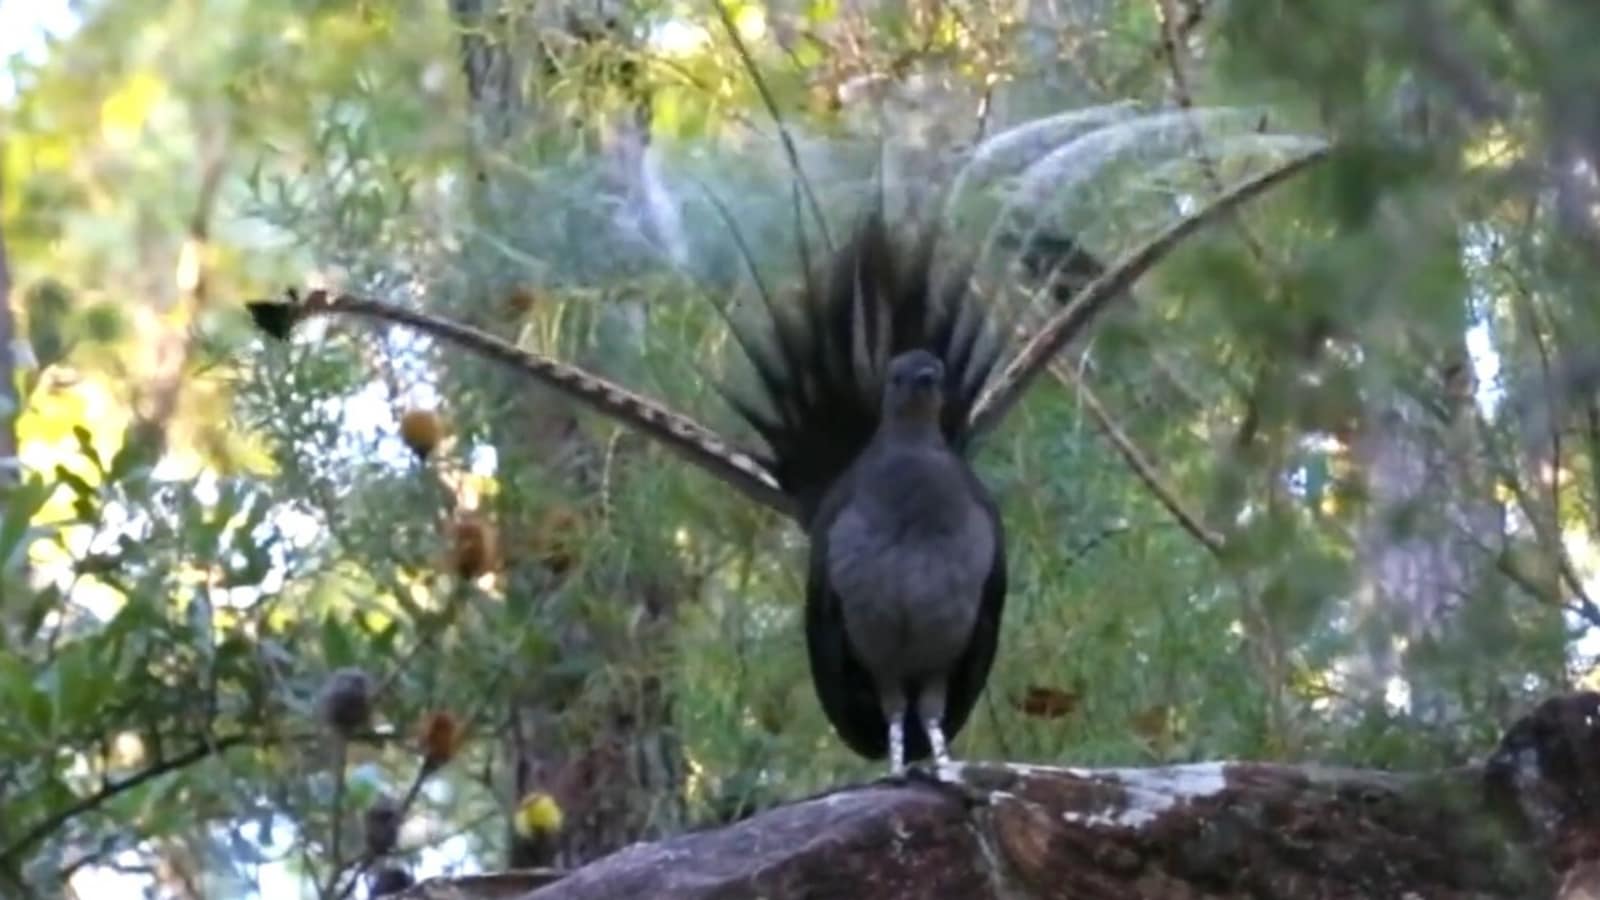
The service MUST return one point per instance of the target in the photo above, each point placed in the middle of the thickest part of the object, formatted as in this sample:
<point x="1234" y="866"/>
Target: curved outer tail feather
<point x="1009" y="385"/>
<point x="700" y="445"/>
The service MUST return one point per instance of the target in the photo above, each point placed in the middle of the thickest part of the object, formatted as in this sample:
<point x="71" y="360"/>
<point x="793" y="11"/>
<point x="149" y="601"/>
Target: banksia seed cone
<point x="422" y="430"/>
<point x="521" y="299"/>
<point x="439" y="738"/>
<point x="772" y="712"/>
<point x="1154" y="724"/>
<point x="345" y="703"/>
<point x="474" y="547"/>
<point x="1047" y="702"/>
<point x="389" y="880"/>
<point x="382" y="826"/>
<point x="557" y="538"/>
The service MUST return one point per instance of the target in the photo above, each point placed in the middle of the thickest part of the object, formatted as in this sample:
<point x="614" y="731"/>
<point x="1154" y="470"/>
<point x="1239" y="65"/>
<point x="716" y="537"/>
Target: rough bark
<point x="1521" y="824"/>
<point x="1430" y="515"/>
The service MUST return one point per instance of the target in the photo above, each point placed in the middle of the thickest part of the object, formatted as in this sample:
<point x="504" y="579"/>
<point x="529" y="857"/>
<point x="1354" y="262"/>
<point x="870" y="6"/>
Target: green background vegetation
<point x="1374" y="389"/>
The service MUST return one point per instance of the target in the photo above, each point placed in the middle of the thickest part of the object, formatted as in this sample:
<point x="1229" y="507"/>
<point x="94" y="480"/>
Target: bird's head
<point x="914" y="391"/>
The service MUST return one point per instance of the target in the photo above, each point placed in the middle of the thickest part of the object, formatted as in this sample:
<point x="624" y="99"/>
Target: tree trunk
<point x="622" y="780"/>
<point x="1520" y="825"/>
<point x="1421" y="549"/>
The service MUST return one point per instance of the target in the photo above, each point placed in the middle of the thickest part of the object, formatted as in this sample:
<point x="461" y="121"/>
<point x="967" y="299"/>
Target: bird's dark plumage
<point x="873" y="497"/>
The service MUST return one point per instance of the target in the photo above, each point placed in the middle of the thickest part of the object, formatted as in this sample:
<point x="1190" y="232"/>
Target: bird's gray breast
<point x="908" y="560"/>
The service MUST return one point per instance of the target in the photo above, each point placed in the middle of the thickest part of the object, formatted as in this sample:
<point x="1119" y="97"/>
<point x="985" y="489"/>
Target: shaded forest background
<point x="1325" y="488"/>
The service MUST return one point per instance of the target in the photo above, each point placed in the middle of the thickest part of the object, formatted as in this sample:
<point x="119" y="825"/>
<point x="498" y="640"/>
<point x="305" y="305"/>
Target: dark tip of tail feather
<point x="275" y="317"/>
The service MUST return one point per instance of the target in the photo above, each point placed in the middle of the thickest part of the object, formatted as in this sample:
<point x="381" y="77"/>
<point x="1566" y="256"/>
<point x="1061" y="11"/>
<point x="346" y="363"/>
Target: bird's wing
<point x="842" y="683"/>
<point x="971" y="671"/>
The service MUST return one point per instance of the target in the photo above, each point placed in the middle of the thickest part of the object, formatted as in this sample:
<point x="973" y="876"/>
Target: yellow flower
<point x="537" y="814"/>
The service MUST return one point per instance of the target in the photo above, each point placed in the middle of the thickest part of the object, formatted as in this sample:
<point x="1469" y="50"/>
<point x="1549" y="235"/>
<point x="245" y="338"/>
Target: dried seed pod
<point x="1043" y="702"/>
<point x="439" y="738"/>
<point x="1154" y="724"/>
<point x="345" y="703"/>
<point x="474" y="546"/>
<point x="521" y="299"/>
<point x="422" y="430"/>
<point x="772" y="711"/>
<point x="382" y="826"/>
<point x="557" y="539"/>
<point x="389" y="880"/>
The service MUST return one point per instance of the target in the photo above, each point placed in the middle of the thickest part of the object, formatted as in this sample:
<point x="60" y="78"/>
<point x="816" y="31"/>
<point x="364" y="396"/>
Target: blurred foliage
<point x="1374" y="386"/>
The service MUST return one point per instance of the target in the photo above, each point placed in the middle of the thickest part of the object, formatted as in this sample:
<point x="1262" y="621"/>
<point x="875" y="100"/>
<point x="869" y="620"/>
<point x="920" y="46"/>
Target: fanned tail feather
<point x="819" y="364"/>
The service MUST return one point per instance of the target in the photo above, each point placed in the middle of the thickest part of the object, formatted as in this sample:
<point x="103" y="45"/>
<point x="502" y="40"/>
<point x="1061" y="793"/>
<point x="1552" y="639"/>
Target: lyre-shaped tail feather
<point x="1007" y="387"/>
<point x="819" y="362"/>
<point x="695" y="442"/>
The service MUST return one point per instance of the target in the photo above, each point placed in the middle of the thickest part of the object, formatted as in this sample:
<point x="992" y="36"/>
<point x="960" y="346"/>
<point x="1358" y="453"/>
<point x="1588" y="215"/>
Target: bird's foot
<point x="927" y="774"/>
<point x="943" y="777"/>
<point x="907" y="773"/>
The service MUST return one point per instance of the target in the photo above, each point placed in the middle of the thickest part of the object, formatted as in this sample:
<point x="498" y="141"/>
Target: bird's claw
<point x="939" y="778"/>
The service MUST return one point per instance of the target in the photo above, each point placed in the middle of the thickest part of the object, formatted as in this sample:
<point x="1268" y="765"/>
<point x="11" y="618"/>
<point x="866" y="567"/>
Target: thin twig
<point x="700" y="84"/>
<point x="1523" y="303"/>
<point x="1173" y="39"/>
<point x="341" y="761"/>
<point x="1555" y="546"/>
<point x="112" y="789"/>
<point x="1170" y="41"/>
<point x="1550" y="541"/>
<point x="1194" y="16"/>
<point x="367" y="858"/>
<point x="1591" y="421"/>
<point x="1137" y="461"/>
<point x="1062" y="327"/>
<point x="425" y="769"/>
<point x="771" y="104"/>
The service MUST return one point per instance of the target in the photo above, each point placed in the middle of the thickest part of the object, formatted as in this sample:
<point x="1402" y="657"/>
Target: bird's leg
<point x="941" y="754"/>
<point x="930" y="711"/>
<point x="897" y="745"/>
<point x="893" y="700"/>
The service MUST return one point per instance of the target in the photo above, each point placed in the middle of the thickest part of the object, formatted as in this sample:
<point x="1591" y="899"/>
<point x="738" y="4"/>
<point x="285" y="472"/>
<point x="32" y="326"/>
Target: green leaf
<point x="26" y="703"/>
<point x="199" y="619"/>
<point x="338" y="648"/>
<point x="43" y="602"/>
<point x="22" y="502"/>
<point x="48" y="303"/>
<point x="86" y="447"/>
<point x="141" y="445"/>
<point x="104" y="323"/>
<point x="82" y="488"/>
